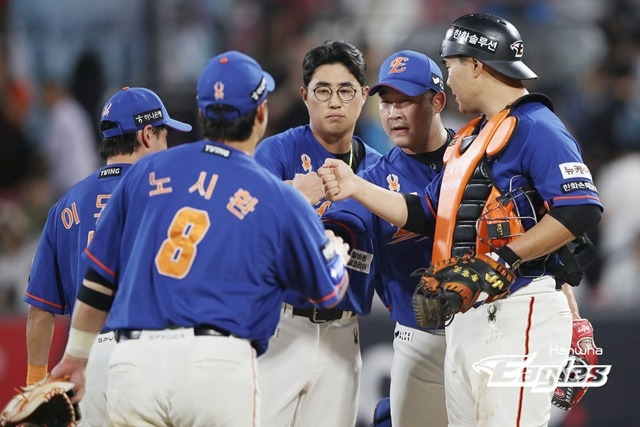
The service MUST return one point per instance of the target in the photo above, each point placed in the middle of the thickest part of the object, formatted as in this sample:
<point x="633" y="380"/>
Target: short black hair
<point x="232" y="130"/>
<point x="125" y="144"/>
<point x="334" y="52"/>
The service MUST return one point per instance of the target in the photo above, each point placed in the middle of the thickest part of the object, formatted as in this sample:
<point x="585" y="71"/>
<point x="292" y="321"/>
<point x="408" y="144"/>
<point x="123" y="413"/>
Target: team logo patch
<point x="406" y="336"/>
<point x="398" y="65"/>
<point x="114" y="171"/>
<point x="148" y="117"/>
<point x="107" y="110"/>
<point x="474" y="39"/>
<point x="569" y="187"/>
<point x="218" y="151"/>
<point x="575" y="170"/>
<point x="360" y="261"/>
<point x="392" y="180"/>
<point x="218" y="91"/>
<point x="306" y="162"/>
<point x="518" y="48"/>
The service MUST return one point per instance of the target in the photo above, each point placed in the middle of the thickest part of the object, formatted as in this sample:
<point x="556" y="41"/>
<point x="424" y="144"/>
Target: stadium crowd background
<point x="60" y="60"/>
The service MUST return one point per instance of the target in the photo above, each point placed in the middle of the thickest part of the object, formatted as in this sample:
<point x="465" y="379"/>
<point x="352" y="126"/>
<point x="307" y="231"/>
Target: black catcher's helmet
<point x="489" y="39"/>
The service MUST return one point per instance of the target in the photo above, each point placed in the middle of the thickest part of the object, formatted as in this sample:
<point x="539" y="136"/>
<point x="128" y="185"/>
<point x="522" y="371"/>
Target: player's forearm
<point x="388" y="205"/>
<point x="87" y="318"/>
<point x="571" y="299"/>
<point x="40" y="326"/>
<point x="545" y="237"/>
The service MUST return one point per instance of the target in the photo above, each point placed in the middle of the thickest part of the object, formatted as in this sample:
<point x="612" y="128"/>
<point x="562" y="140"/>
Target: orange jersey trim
<point x="97" y="261"/>
<point x="335" y="292"/>
<point x="575" y="197"/>
<point x="44" y="301"/>
<point x="526" y="352"/>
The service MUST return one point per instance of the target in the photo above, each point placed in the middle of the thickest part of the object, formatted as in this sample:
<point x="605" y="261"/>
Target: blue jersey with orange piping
<point x="57" y="269"/>
<point x="200" y="234"/>
<point x="385" y="256"/>
<point x="295" y="151"/>
<point x="541" y="154"/>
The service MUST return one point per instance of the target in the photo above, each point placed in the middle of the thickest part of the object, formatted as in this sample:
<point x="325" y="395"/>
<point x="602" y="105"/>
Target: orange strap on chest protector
<point x="461" y="159"/>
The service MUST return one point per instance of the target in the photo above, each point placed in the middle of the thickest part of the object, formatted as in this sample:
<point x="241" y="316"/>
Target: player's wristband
<point x="79" y="343"/>
<point x="36" y="373"/>
<point x="509" y="257"/>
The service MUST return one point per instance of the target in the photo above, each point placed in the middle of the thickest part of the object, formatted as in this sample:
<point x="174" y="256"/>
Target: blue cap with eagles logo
<point x="132" y="108"/>
<point x="235" y="80"/>
<point x="412" y="73"/>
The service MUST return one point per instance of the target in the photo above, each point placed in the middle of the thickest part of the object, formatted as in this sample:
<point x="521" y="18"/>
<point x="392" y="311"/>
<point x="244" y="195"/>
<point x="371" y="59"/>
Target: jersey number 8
<point x="179" y="249"/>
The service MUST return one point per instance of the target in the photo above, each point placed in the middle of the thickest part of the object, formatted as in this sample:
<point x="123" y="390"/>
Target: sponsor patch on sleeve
<point x="569" y="187"/>
<point x="575" y="170"/>
<point x="360" y="261"/>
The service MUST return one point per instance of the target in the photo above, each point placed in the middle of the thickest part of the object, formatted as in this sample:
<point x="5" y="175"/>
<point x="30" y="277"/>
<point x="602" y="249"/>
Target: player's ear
<point x="438" y="101"/>
<point x="304" y="92"/>
<point x="145" y="135"/>
<point x="477" y="66"/>
<point x="262" y="112"/>
<point x="365" y="92"/>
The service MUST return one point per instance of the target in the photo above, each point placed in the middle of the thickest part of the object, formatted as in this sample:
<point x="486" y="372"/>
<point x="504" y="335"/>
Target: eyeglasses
<point x="324" y="93"/>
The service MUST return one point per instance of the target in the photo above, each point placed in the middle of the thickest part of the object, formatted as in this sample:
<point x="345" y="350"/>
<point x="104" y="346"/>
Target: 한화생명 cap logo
<point x="148" y="117"/>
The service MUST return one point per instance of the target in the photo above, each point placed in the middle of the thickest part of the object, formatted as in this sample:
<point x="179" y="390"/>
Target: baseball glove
<point x="577" y="367"/>
<point x="454" y="285"/>
<point x="46" y="403"/>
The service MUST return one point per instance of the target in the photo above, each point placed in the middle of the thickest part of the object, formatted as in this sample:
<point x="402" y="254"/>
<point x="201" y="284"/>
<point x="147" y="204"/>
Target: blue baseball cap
<point x="233" y="79"/>
<point x="412" y="73"/>
<point x="133" y="108"/>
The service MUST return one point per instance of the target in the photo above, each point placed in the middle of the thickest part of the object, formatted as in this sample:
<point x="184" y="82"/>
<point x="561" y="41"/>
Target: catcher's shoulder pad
<point x="43" y="403"/>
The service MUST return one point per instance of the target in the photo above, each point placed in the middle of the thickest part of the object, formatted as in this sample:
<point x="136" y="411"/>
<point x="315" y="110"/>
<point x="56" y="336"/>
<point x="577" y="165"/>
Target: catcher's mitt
<point x="454" y="285"/>
<point x="46" y="403"/>
<point x="577" y="367"/>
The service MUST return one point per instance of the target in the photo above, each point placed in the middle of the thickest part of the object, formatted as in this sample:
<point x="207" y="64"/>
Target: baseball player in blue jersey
<point x="514" y="187"/>
<point x="411" y="90"/>
<point x="134" y="123"/>
<point x="314" y="361"/>
<point x="190" y="259"/>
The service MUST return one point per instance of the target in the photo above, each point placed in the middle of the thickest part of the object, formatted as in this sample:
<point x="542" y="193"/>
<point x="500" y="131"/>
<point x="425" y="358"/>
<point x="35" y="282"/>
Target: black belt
<point x="134" y="334"/>
<point x="316" y="315"/>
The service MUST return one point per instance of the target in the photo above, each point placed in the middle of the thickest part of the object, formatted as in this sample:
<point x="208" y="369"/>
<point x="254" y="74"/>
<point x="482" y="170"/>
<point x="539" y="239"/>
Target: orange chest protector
<point x="466" y="193"/>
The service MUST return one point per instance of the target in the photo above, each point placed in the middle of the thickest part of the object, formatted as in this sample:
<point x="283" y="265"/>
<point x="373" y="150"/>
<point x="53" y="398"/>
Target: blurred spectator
<point x="17" y="157"/>
<point x="88" y="85"/>
<point x="17" y="246"/>
<point x="70" y="144"/>
<point x="620" y="231"/>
